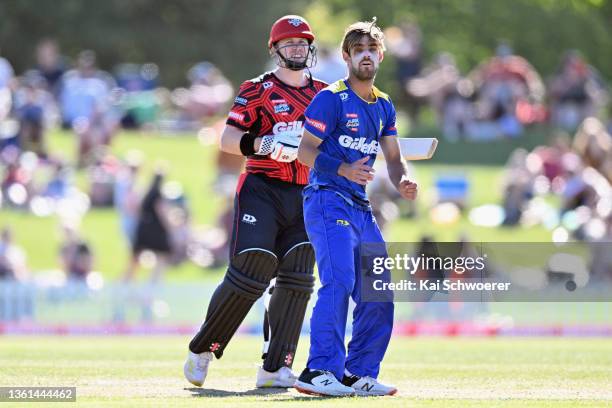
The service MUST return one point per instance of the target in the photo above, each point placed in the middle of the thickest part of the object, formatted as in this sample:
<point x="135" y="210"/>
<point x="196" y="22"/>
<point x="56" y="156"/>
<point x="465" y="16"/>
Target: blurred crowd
<point x="498" y="98"/>
<point x="92" y="105"/>
<point x="565" y="186"/>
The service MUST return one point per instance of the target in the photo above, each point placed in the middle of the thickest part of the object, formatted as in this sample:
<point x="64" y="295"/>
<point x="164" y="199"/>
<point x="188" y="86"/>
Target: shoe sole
<point x="365" y="394"/>
<point x="271" y="384"/>
<point x="303" y="390"/>
<point x="195" y="383"/>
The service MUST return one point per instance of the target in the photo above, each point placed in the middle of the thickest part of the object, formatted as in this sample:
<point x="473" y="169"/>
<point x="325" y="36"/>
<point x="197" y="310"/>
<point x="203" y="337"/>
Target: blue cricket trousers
<point x="336" y="230"/>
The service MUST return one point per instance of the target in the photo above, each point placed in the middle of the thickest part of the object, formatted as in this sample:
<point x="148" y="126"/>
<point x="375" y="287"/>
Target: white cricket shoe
<point x="196" y="367"/>
<point x="367" y="386"/>
<point x="281" y="378"/>
<point x="319" y="382"/>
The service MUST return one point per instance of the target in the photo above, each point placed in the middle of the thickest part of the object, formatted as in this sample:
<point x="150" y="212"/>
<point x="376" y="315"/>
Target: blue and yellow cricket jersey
<point x="350" y="128"/>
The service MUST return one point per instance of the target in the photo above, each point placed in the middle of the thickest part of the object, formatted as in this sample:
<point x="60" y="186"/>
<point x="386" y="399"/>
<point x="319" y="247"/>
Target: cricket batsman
<point x="269" y="239"/>
<point x="346" y="124"/>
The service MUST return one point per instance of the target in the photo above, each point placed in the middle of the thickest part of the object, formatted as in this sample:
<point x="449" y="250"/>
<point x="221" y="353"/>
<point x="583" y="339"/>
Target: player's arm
<point x="310" y="155"/>
<point x="397" y="167"/>
<point x="231" y="138"/>
<point x="309" y="149"/>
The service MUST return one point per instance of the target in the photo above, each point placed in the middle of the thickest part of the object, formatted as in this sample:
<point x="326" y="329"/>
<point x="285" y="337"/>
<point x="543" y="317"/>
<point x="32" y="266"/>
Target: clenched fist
<point x="407" y="189"/>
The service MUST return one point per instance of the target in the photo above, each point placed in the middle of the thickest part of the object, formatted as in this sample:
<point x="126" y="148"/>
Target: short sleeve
<point x="321" y="114"/>
<point x="244" y="111"/>
<point x="389" y="129"/>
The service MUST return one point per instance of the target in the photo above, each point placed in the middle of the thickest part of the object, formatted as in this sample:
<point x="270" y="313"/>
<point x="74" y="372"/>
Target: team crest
<point x="295" y="22"/>
<point x="353" y="124"/>
<point x="281" y="108"/>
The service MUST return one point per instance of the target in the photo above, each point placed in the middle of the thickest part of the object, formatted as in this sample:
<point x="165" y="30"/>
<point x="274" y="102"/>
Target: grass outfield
<point x="429" y="372"/>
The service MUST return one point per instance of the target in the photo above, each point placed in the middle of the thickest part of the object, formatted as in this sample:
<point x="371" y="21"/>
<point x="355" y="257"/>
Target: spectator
<point x="576" y="92"/>
<point x="80" y="262"/>
<point x="504" y="84"/>
<point x="448" y="94"/>
<point x="406" y="44"/>
<point x="16" y="185"/>
<point x="518" y="186"/>
<point x="6" y="85"/>
<point x="50" y="65"/>
<point x="593" y="143"/>
<point x="12" y="258"/>
<point x="152" y="231"/>
<point x="58" y="187"/>
<point x="208" y="94"/>
<point x="126" y="196"/>
<point x="140" y="100"/>
<point x="86" y="106"/>
<point x="102" y="175"/>
<point x="33" y="106"/>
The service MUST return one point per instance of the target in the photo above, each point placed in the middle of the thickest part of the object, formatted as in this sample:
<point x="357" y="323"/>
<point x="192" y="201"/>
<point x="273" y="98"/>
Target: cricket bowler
<point x="346" y="124"/>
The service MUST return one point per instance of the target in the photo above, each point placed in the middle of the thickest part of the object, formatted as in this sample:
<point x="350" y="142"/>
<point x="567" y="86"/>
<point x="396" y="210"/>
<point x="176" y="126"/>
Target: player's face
<point x="364" y="58"/>
<point x="293" y="49"/>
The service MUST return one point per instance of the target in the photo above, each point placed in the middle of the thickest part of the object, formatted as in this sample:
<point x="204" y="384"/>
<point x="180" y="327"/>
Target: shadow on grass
<point x="257" y="392"/>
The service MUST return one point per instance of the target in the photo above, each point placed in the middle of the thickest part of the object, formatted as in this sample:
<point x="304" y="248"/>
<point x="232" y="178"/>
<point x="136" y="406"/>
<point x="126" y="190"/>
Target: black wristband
<point x="247" y="144"/>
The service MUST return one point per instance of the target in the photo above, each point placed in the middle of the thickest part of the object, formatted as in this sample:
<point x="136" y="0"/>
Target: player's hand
<point x="282" y="147"/>
<point x="407" y="189"/>
<point x="357" y="171"/>
<point x="285" y="147"/>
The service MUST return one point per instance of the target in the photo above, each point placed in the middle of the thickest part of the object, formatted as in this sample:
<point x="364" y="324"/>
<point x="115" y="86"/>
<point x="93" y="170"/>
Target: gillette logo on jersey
<point x="293" y="127"/>
<point x="350" y="128"/>
<point x="359" y="143"/>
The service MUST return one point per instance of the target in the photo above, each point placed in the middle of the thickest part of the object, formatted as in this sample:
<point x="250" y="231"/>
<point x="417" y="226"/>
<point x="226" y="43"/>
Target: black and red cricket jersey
<point x="267" y="106"/>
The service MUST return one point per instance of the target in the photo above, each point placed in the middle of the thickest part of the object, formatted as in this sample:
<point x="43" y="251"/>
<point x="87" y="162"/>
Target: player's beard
<point x="364" y="73"/>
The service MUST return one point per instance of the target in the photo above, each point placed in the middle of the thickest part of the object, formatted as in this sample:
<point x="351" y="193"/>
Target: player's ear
<point x="346" y="56"/>
<point x="381" y="55"/>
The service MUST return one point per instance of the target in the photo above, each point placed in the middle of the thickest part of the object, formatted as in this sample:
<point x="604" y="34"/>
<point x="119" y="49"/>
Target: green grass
<point x="429" y="372"/>
<point x="192" y="164"/>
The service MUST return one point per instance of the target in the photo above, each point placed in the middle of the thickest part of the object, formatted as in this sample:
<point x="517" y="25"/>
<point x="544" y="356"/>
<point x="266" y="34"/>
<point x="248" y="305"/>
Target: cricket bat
<point x="418" y="148"/>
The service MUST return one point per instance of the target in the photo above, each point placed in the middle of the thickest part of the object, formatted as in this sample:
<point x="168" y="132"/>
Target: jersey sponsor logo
<point x="295" y="126"/>
<point x="295" y="22"/>
<point x="352" y="115"/>
<point x="240" y="101"/>
<point x="236" y="116"/>
<point x="249" y="219"/>
<point x="278" y="101"/>
<point x="359" y="144"/>
<point x="267" y="85"/>
<point x="343" y="96"/>
<point x="352" y="124"/>
<point x="281" y="108"/>
<point x="316" y="124"/>
<point x="343" y="223"/>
